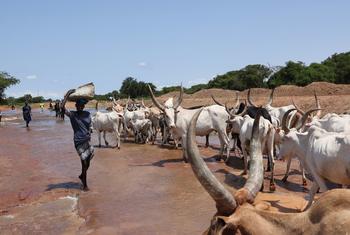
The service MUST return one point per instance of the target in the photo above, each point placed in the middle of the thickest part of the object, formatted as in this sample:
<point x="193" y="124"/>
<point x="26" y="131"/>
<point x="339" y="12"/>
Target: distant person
<point x="50" y="105"/>
<point x="62" y="110"/>
<point x="81" y="124"/>
<point x="57" y="109"/>
<point x="13" y="107"/>
<point x="41" y="108"/>
<point x="27" y="113"/>
<point x="0" y="115"/>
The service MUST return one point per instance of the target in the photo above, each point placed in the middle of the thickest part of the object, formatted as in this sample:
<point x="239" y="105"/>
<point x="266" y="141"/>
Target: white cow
<point x="243" y="125"/>
<point x="133" y="116"/>
<point x="276" y="112"/>
<point x="325" y="155"/>
<point x="107" y="122"/>
<point x="142" y="130"/>
<point x="212" y="118"/>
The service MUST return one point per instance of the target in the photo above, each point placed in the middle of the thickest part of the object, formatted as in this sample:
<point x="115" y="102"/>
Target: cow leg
<point x="184" y="147"/>
<point x="99" y="139"/>
<point x="303" y="174"/>
<point x="313" y="190"/>
<point x="207" y="141"/>
<point x="272" y="162"/>
<point x="245" y="158"/>
<point x="104" y="137"/>
<point x="287" y="170"/>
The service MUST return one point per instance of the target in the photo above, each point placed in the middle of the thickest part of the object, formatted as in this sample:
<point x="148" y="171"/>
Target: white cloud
<point x="142" y="64"/>
<point x="31" y="77"/>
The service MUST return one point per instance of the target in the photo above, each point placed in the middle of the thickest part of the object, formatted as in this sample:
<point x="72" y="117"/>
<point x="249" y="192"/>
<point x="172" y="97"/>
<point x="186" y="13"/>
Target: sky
<point x="53" y="46"/>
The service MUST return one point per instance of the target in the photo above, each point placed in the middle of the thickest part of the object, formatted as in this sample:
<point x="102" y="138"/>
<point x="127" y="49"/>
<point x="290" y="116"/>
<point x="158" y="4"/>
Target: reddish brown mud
<point x="139" y="189"/>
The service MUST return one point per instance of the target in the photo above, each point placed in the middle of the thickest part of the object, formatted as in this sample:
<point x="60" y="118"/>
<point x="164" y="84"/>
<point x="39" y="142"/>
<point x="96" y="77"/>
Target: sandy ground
<point x="140" y="189"/>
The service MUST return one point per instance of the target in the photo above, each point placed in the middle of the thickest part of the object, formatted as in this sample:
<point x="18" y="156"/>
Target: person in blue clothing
<point x="81" y="124"/>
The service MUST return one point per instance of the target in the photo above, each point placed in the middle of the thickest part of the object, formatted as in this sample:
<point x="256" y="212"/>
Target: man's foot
<point x="85" y="188"/>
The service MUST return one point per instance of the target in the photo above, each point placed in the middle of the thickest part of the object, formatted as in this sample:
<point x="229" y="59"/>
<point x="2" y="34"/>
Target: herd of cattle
<point x="321" y="144"/>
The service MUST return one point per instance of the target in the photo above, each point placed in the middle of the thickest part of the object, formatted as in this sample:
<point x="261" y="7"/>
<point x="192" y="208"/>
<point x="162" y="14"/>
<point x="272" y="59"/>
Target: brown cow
<point x="330" y="214"/>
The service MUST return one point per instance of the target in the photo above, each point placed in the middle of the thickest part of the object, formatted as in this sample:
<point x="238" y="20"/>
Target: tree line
<point x="334" y="69"/>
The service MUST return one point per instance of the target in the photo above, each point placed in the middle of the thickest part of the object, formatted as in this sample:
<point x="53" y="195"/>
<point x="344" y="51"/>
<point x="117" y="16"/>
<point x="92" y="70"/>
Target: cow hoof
<point x="106" y="143"/>
<point x="304" y="183"/>
<point x="272" y="188"/>
<point x="118" y="147"/>
<point x="284" y="180"/>
<point x="99" y="146"/>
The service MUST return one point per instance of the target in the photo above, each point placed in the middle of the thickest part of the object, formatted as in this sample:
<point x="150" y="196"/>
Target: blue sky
<point x="56" y="45"/>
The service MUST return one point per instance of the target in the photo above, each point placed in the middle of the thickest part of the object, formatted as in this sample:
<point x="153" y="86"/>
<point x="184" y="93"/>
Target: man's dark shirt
<point x="81" y="122"/>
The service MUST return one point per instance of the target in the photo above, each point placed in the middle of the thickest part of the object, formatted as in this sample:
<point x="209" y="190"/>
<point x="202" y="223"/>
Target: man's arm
<point x="65" y="100"/>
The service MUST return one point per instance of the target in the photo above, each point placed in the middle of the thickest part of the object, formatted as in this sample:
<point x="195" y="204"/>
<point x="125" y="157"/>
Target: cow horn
<point x="304" y="118"/>
<point x="297" y="107"/>
<point x="284" y="120"/>
<point x="216" y="101"/>
<point x="249" y="99"/>
<point x="225" y="202"/>
<point x="319" y="112"/>
<point x="271" y="98"/>
<point x="142" y="103"/>
<point x="179" y="100"/>
<point x="256" y="168"/>
<point x="245" y="110"/>
<point x="156" y="103"/>
<point x="230" y="112"/>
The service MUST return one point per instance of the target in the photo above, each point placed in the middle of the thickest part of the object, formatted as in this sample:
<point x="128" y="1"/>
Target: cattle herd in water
<point x="321" y="143"/>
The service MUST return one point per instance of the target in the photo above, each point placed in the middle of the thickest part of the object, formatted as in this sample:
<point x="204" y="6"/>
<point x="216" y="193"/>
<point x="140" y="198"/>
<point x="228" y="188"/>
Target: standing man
<point x="27" y="113"/>
<point x="81" y="123"/>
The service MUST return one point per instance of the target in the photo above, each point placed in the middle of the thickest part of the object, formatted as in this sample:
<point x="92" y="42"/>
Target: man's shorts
<point x="85" y="151"/>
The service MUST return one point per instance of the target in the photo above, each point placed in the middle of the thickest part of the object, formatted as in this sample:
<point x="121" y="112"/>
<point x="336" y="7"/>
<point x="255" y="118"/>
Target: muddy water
<point x="139" y="189"/>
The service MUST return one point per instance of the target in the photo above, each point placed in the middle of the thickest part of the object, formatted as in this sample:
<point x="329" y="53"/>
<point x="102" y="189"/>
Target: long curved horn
<point x="216" y="101"/>
<point x="256" y="168"/>
<point x="155" y="102"/>
<point x="114" y="101"/>
<point x="249" y="99"/>
<point x="225" y="203"/>
<point x="142" y="103"/>
<point x="271" y="97"/>
<point x="230" y="112"/>
<point x="297" y="107"/>
<point x="179" y="100"/>
<point x="284" y="121"/>
<point x="245" y="110"/>
<point x="304" y="118"/>
<point x="319" y="112"/>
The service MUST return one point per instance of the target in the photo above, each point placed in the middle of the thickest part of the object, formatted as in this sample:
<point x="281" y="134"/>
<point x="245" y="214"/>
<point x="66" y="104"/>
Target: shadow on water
<point x="235" y="181"/>
<point x="65" y="185"/>
<point x="280" y="208"/>
<point x="105" y="146"/>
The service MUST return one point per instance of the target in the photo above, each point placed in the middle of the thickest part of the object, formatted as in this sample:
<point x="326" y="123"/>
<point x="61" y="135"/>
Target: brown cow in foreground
<point x="330" y="214"/>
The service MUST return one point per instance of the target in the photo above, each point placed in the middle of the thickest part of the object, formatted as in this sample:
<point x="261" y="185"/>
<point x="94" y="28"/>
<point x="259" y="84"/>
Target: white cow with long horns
<point x="212" y="118"/>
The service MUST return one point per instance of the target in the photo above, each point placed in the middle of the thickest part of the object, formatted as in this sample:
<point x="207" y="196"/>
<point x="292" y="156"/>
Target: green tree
<point x="131" y="87"/>
<point x="6" y="80"/>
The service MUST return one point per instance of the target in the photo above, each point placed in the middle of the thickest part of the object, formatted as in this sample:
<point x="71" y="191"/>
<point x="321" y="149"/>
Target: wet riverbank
<point x="140" y="189"/>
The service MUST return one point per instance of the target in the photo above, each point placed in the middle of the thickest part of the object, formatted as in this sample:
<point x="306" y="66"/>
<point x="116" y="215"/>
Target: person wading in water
<point x="27" y="113"/>
<point x="81" y="123"/>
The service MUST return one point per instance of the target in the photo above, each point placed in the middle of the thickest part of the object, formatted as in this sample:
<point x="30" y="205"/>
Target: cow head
<point x="169" y="108"/>
<point x="288" y="138"/>
<point x="228" y="206"/>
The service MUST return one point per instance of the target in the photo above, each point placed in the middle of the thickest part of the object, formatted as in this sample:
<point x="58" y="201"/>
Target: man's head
<point x="80" y="104"/>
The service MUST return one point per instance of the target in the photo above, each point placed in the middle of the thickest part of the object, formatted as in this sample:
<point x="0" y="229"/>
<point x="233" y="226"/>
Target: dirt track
<point x="140" y="189"/>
